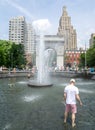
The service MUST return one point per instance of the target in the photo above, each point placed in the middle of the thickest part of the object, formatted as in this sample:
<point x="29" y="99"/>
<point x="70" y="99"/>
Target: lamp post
<point x="85" y="62"/>
<point x="85" y="58"/>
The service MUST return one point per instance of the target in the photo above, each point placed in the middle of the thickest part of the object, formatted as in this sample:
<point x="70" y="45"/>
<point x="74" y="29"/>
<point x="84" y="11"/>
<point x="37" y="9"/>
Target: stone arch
<point x="52" y="57"/>
<point x="55" y="43"/>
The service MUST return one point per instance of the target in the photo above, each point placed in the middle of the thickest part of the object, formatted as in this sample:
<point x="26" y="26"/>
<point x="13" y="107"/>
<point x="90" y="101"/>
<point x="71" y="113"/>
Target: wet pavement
<point x="26" y="108"/>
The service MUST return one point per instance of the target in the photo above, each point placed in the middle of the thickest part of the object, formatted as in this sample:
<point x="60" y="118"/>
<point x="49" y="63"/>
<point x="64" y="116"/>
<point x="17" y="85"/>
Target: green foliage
<point x="11" y="54"/>
<point x="4" y="52"/>
<point x="90" y="57"/>
<point x="82" y="60"/>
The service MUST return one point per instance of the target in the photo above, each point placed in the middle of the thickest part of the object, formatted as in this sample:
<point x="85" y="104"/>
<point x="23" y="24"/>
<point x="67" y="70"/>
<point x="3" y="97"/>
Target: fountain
<point x="42" y="75"/>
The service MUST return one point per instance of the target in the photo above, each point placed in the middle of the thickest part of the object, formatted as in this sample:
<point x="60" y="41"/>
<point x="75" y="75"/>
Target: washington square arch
<point x="54" y="45"/>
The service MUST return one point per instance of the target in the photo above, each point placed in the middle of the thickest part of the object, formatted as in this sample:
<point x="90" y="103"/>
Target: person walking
<point x="71" y="94"/>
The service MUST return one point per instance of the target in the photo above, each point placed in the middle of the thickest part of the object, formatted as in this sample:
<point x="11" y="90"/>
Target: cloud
<point x="20" y="8"/>
<point x="41" y="24"/>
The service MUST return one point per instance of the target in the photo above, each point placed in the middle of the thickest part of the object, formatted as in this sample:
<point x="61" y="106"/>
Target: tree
<point x="11" y="54"/>
<point x="82" y="60"/>
<point x="17" y="56"/>
<point x="4" y="52"/>
<point x="90" y="57"/>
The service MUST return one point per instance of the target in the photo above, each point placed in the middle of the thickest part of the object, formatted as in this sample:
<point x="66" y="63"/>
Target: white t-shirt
<point x="71" y="91"/>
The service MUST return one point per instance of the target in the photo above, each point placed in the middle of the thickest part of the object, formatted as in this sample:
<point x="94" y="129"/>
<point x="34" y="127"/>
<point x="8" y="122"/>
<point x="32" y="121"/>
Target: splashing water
<point x="42" y="76"/>
<point x="31" y="98"/>
<point x="41" y="67"/>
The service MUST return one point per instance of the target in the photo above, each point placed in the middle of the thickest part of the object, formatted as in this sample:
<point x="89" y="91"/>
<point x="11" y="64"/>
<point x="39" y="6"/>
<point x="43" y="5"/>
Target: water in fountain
<point x="42" y="77"/>
<point x="25" y="108"/>
<point x="42" y="70"/>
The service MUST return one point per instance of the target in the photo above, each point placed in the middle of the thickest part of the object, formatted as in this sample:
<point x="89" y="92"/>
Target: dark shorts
<point x="71" y="108"/>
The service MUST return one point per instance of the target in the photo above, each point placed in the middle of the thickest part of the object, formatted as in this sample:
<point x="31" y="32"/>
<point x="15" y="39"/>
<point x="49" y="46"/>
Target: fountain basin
<point x="38" y="84"/>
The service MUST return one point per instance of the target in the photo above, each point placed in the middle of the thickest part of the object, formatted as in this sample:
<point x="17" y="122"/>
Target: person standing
<point x="71" y="94"/>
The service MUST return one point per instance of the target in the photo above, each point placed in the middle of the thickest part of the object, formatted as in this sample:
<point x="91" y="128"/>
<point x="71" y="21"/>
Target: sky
<point x="82" y="13"/>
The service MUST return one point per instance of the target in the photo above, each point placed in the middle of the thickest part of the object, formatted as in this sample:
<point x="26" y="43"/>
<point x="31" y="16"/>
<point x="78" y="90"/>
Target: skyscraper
<point x="29" y="38"/>
<point x="17" y="30"/>
<point x="66" y="30"/>
<point x="30" y="46"/>
<point x="22" y="32"/>
<point x="92" y="40"/>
